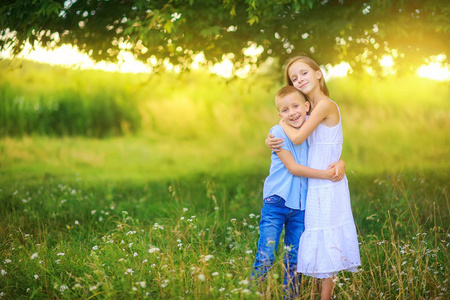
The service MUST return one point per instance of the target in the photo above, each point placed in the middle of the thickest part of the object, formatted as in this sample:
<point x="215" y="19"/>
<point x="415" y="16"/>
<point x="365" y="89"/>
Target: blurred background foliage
<point x="163" y="32"/>
<point x="175" y="124"/>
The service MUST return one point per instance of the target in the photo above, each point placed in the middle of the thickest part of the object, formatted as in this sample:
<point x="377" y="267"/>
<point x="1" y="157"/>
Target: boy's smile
<point x="292" y="108"/>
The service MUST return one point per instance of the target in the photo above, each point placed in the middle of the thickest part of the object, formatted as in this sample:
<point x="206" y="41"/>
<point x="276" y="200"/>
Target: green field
<point x="131" y="186"/>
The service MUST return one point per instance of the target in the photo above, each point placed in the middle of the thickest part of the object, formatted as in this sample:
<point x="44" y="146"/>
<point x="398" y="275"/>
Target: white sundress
<point x="329" y="243"/>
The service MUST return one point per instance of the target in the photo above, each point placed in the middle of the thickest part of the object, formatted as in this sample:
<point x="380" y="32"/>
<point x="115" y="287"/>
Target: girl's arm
<point x="300" y="170"/>
<point x="273" y="143"/>
<point x="322" y="110"/>
<point x="339" y="168"/>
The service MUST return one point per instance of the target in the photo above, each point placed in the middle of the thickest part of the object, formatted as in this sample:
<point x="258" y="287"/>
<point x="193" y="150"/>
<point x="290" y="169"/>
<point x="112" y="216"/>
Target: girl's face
<point x="303" y="77"/>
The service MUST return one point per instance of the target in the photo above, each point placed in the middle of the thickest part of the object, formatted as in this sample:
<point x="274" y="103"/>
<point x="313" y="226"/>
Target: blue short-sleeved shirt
<point x="280" y="182"/>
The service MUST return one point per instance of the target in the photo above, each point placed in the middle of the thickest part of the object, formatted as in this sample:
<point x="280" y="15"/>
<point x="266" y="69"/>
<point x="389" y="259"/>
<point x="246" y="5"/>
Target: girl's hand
<point x="283" y="124"/>
<point x="274" y="143"/>
<point x="339" y="170"/>
<point x="329" y="174"/>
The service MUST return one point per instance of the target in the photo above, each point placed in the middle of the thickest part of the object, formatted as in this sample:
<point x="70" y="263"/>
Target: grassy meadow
<point x="118" y="186"/>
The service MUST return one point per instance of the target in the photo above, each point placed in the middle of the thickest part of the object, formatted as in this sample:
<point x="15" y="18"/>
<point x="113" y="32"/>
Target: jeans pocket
<point x="272" y="199"/>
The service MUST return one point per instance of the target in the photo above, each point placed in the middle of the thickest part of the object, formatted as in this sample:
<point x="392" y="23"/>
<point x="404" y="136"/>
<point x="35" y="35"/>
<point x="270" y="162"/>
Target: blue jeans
<point x="274" y="215"/>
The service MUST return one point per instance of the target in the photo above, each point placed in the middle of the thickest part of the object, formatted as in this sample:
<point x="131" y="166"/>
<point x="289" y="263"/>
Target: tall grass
<point x="195" y="240"/>
<point x="38" y="99"/>
<point x="391" y="124"/>
<point x="168" y="207"/>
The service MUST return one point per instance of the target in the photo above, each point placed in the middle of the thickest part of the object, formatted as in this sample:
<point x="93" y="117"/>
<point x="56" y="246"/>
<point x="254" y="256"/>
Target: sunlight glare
<point x="198" y="60"/>
<point x="65" y="55"/>
<point x="224" y="68"/>
<point x="340" y="70"/>
<point x="387" y="64"/>
<point x="253" y="50"/>
<point x="387" y="61"/>
<point x="435" y="69"/>
<point x="70" y="56"/>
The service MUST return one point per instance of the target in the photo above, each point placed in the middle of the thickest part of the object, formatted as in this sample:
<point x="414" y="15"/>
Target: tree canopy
<point x="331" y="31"/>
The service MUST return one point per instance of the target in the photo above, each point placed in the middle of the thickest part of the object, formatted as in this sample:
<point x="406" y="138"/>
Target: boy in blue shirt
<point x="284" y="192"/>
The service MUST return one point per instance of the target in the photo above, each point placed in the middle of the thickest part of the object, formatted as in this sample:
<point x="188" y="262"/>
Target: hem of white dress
<point x="333" y="273"/>
<point x="331" y="227"/>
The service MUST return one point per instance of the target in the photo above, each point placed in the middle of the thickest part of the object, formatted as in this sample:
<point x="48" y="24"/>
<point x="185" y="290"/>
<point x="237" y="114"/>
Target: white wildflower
<point x="244" y="282"/>
<point x="153" y="249"/>
<point x="206" y="257"/>
<point x="164" y="283"/>
<point x="201" y="277"/>
<point x="60" y="254"/>
<point x="34" y="255"/>
<point x="287" y="248"/>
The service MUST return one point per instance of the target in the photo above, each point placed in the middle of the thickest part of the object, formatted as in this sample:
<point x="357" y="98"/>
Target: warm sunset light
<point x="387" y="61"/>
<point x="340" y="70"/>
<point x="435" y="69"/>
<point x="69" y="56"/>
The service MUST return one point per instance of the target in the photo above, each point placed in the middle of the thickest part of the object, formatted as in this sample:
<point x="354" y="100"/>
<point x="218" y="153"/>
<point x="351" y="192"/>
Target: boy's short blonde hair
<point x="287" y="90"/>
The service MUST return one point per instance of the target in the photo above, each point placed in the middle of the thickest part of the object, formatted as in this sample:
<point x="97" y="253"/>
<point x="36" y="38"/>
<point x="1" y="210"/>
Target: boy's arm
<point x="299" y="170"/>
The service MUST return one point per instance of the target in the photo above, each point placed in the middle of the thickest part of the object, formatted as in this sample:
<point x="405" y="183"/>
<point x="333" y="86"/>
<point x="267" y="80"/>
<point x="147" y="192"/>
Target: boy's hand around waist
<point x="273" y="143"/>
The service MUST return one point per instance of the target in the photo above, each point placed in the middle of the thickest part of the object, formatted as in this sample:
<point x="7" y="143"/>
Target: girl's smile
<point x="303" y="77"/>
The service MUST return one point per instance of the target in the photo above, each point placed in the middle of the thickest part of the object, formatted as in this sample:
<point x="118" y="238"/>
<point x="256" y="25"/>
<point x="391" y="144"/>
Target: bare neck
<point x="315" y="97"/>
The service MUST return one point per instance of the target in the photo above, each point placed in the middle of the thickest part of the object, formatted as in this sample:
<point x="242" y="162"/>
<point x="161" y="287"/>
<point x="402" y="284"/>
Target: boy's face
<point x="292" y="108"/>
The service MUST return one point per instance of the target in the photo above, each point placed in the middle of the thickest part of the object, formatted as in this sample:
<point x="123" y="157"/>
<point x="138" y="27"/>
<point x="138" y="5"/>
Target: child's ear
<point x="308" y="106"/>
<point x="319" y="74"/>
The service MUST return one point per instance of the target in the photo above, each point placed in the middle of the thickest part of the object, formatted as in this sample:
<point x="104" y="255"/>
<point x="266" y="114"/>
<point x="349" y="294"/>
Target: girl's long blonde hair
<point x="310" y="62"/>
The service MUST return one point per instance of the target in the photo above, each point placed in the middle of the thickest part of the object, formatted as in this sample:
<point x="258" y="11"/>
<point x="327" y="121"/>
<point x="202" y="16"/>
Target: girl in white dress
<point x="329" y="243"/>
